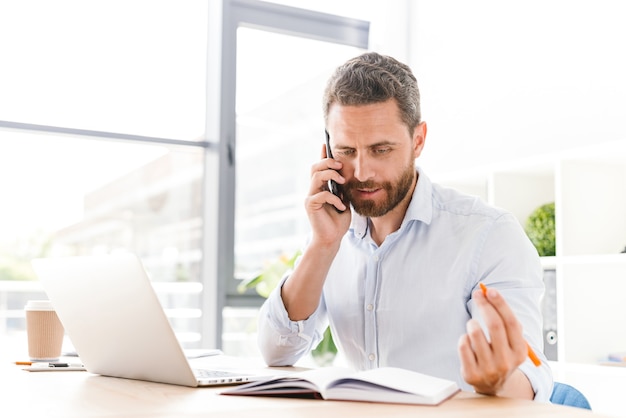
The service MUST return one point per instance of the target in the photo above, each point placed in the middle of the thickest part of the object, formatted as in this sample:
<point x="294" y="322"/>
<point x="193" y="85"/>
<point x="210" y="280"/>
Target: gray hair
<point x="374" y="78"/>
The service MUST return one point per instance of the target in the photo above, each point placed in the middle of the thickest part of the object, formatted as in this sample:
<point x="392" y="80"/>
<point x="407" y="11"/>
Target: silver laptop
<point x="117" y="325"/>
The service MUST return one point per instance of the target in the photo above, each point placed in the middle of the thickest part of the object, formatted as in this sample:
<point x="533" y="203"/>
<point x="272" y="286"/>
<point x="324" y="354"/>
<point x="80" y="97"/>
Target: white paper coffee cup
<point x="45" y="331"/>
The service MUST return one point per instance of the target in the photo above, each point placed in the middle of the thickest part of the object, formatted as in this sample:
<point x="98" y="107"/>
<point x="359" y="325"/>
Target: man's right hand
<point x="323" y="208"/>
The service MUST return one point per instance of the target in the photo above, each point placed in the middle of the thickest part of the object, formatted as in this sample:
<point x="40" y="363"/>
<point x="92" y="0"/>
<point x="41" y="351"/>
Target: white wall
<point x="506" y="79"/>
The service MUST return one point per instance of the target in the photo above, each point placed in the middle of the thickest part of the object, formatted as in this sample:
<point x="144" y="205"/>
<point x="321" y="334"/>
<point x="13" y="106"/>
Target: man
<point x="395" y="266"/>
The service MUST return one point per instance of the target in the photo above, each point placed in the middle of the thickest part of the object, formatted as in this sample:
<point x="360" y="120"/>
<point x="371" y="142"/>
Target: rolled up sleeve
<point x="283" y="342"/>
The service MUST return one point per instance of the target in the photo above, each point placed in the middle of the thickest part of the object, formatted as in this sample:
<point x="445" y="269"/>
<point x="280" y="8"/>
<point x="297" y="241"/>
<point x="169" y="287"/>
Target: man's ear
<point x="419" y="139"/>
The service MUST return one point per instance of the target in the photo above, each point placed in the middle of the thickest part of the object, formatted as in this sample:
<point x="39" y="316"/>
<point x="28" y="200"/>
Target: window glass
<point x="75" y="196"/>
<point x="280" y="133"/>
<point x="135" y="67"/>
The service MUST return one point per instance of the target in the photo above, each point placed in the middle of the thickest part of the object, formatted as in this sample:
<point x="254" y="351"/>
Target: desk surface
<point x="82" y="394"/>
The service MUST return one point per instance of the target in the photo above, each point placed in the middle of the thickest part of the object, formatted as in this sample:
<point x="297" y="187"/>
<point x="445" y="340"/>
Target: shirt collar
<point x="420" y="208"/>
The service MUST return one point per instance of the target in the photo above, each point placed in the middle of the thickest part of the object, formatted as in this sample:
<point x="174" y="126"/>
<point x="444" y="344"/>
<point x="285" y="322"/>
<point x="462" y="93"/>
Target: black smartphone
<point x="332" y="184"/>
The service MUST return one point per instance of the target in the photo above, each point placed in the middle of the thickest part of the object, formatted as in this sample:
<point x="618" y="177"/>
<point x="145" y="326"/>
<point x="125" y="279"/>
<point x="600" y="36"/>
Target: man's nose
<point x="363" y="168"/>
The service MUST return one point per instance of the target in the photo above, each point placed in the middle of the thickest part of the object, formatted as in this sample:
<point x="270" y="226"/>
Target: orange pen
<point x="531" y="354"/>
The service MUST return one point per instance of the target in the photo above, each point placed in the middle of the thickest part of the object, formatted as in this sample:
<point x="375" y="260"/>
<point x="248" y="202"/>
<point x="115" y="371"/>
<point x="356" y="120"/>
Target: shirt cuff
<point x="282" y="340"/>
<point x="540" y="378"/>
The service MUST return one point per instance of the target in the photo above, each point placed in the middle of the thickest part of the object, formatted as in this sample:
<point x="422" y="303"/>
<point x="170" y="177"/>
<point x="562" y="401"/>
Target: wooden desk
<point x="81" y="394"/>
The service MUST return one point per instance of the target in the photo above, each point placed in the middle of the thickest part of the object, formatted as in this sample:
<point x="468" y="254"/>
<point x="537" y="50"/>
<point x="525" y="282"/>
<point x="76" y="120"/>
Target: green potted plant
<point x="540" y="228"/>
<point x="324" y="354"/>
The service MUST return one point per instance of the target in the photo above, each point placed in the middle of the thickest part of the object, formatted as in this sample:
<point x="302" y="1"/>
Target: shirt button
<point x="371" y="357"/>
<point x="375" y="258"/>
<point x="370" y="307"/>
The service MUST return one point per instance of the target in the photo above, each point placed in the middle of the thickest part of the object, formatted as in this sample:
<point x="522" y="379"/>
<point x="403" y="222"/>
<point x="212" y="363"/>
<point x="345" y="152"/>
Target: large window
<point x="95" y="97"/>
<point x="180" y="131"/>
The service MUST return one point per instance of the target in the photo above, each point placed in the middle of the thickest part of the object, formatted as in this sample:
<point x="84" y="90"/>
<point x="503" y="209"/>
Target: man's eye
<point x="347" y="152"/>
<point x="382" y="150"/>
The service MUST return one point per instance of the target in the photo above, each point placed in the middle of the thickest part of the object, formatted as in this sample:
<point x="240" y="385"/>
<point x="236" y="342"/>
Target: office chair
<point x="564" y="394"/>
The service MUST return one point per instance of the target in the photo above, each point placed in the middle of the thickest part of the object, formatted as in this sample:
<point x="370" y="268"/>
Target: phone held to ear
<point x="332" y="184"/>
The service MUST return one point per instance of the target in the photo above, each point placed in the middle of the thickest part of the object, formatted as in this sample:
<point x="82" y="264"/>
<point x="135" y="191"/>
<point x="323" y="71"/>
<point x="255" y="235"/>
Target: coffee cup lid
<point x="39" y="305"/>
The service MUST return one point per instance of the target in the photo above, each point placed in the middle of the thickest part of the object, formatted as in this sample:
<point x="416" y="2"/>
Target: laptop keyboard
<point x="207" y="373"/>
<point x="218" y="377"/>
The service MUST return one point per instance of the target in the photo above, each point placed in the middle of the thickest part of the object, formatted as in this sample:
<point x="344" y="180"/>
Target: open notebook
<point x="116" y="323"/>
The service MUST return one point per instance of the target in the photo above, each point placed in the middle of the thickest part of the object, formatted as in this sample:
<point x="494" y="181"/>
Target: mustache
<point x="363" y="185"/>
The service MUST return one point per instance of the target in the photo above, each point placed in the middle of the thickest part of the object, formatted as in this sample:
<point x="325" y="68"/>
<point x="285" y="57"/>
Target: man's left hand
<point x="491" y="367"/>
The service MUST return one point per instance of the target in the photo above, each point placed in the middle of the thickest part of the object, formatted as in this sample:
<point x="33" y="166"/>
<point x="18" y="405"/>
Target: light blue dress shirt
<point x="406" y="303"/>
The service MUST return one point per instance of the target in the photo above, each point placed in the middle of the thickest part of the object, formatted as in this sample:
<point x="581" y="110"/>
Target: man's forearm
<point x="301" y="293"/>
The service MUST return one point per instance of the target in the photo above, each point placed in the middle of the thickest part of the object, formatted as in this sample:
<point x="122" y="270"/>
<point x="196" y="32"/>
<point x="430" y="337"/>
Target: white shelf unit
<point x="588" y="186"/>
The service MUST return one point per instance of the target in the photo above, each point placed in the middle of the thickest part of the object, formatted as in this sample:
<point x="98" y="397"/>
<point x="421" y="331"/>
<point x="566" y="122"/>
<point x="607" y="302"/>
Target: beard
<point x="395" y="193"/>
